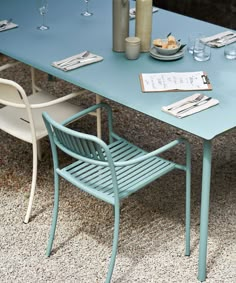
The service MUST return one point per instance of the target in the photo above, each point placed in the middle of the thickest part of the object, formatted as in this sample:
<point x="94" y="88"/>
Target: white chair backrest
<point x="12" y="94"/>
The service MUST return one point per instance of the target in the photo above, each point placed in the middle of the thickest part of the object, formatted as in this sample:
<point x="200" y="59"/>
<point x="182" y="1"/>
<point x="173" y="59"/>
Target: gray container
<point x="143" y="23"/>
<point x="120" y="24"/>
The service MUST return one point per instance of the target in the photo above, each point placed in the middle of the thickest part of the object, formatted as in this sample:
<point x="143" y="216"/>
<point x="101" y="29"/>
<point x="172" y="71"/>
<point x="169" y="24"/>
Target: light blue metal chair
<point x="109" y="172"/>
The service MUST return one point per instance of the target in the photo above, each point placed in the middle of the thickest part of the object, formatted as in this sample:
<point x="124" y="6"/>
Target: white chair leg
<point x="33" y="184"/>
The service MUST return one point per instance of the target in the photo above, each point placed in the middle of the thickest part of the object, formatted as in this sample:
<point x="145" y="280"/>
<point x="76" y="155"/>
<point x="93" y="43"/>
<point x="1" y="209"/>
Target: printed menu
<point x="174" y="81"/>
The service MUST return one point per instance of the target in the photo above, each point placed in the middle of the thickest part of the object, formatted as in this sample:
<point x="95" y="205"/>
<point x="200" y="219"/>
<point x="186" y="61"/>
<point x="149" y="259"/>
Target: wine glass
<point x="42" y="6"/>
<point x="86" y="13"/>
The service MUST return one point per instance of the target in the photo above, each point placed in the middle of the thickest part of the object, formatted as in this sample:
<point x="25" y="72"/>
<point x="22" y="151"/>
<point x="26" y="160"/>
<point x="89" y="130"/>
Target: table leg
<point x="206" y="180"/>
<point x="99" y="119"/>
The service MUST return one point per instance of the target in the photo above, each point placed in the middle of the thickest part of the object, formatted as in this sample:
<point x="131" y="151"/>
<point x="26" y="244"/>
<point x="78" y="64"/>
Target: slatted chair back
<point x="84" y="147"/>
<point x="81" y="146"/>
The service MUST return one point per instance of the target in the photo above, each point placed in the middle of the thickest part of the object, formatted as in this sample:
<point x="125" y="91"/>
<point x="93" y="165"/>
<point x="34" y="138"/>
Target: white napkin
<point x="76" y="61"/>
<point x="7" y="26"/>
<point x="181" y="105"/>
<point x="132" y="12"/>
<point x="227" y="36"/>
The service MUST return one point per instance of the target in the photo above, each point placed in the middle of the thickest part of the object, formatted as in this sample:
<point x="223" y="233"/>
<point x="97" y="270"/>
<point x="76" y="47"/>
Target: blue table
<point x="117" y="78"/>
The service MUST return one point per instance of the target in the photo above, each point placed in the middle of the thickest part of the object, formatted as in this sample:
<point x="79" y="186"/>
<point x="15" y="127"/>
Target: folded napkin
<point x="77" y="61"/>
<point x="132" y="12"/>
<point x="220" y="39"/>
<point x="190" y="105"/>
<point x="7" y="25"/>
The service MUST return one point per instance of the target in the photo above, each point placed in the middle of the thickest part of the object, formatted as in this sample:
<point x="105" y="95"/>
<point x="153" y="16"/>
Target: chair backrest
<point x="81" y="146"/>
<point x="84" y="147"/>
<point x="13" y="95"/>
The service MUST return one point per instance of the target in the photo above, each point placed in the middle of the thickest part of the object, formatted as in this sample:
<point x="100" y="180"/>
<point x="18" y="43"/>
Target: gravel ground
<point x="151" y="247"/>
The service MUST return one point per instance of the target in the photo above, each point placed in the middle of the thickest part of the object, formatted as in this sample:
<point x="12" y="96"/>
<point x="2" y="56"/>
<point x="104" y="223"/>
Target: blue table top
<point x="117" y="78"/>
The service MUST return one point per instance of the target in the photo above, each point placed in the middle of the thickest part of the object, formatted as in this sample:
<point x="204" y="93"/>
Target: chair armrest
<point x="153" y="153"/>
<point x="44" y="104"/>
<point x="55" y="101"/>
<point x="86" y="112"/>
<point x="8" y="65"/>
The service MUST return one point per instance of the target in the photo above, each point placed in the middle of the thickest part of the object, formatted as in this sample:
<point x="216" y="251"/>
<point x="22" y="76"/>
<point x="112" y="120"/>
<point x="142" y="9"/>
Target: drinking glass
<point x="230" y="51"/>
<point x="191" y="40"/>
<point x="86" y="13"/>
<point x="201" y="51"/>
<point x="42" y="6"/>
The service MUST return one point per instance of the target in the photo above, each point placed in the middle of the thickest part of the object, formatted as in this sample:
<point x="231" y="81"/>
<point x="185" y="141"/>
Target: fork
<point x="196" y="99"/>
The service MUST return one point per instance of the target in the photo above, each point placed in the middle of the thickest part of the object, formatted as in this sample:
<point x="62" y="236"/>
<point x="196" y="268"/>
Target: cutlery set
<point x="201" y="102"/>
<point x="220" y="39"/>
<point x="195" y="100"/>
<point x="223" y="39"/>
<point x="77" y="61"/>
<point x="191" y="105"/>
<point x="74" y="59"/>
<point x="5" y="23"/>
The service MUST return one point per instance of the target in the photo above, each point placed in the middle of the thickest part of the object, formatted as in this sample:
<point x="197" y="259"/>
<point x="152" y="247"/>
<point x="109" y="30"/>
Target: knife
<point x="195" y="105"/>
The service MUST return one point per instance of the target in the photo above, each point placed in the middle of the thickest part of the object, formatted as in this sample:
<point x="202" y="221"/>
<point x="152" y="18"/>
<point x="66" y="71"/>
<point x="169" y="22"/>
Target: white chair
<point x="22" y="117"/>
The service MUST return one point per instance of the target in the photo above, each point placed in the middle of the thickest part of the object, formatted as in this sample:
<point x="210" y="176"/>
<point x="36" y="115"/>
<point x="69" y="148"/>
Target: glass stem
<point x="87" y="6"/>
<point x="43" y="19"/>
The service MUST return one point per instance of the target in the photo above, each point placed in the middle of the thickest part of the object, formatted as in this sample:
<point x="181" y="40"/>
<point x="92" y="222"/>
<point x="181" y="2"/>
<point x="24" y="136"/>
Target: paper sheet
<point x="154" y="82"/>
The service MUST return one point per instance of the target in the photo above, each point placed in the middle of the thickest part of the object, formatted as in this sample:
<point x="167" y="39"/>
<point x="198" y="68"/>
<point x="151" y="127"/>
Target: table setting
<point x="200" y="45"/>
<point x="77" y="61"/>
<point x="167" y="49"/>
<point x="7" y="24"/>
<point x="190" y="105"/>
<point x="220" y="39"/>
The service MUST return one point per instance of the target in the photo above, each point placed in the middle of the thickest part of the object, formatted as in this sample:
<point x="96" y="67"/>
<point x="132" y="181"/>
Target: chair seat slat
<point x="128" y="180"/>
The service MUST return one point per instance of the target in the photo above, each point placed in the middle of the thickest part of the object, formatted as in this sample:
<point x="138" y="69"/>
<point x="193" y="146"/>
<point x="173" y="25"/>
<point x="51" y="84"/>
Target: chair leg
<point x="39" y="150"/>
<point x="188" y="200"/>
<point x="115" y="244"/>
<point x="33" y="184"/>
<point x="55" y="214"/>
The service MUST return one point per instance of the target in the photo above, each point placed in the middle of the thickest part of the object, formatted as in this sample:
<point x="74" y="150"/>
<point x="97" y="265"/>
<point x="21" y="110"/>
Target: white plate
<point x="176" y="56"/>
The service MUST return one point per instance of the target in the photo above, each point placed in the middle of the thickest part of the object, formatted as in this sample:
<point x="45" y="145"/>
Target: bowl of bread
<point x="167" y="46"/>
